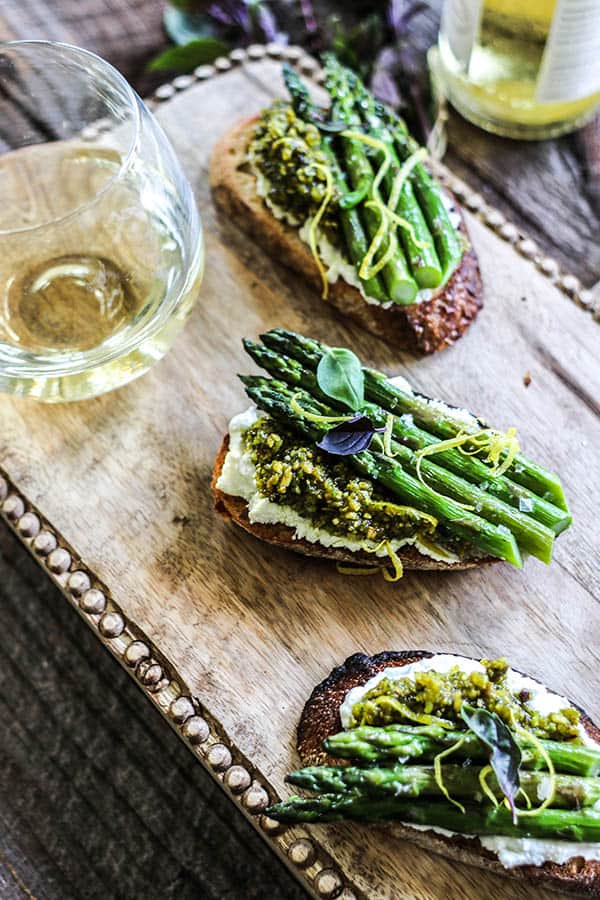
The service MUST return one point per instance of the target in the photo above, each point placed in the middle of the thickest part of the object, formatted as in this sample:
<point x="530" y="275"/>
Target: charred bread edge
<point x="320" y="718"/>
<point x="236" y="510"/>
<point x="427" y="326"/>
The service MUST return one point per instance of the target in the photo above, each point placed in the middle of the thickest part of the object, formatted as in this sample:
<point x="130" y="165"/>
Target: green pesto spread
<point x="329" y="494"/>
<point x="435" y="697"/>
<point x="286" y="150"/>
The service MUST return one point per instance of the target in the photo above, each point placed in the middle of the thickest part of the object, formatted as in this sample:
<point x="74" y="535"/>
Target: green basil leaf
<point x="198" y="52"/>
<point x="340" y="376"/>
<point x="505" y="755"/>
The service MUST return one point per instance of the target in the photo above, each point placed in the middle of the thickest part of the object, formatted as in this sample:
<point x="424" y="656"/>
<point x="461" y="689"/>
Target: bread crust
<point x="235" y="509"/>
<point x="320" y="718"/>
<point x="425" y="327"/>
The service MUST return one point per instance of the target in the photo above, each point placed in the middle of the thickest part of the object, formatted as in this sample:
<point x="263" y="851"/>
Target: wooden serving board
<point x="227" y="635"/>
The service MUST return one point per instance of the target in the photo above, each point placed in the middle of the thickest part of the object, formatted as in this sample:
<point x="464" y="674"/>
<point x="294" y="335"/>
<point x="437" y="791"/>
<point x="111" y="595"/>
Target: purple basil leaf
<point x="232" y="13"/>
<point x="396" y="12"/>
<point x="505" y="755"/>
<point x="349" y="437"/>
<point x="383" y="79"/>
<point x="400" y="12"/>
<point x="265" y="22"/>
<point x="310" y="19"/>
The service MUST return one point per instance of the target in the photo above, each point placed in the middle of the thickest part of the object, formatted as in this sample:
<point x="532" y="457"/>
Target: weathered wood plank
<point x="252" y="629"/>
<point x="87" y="763"/>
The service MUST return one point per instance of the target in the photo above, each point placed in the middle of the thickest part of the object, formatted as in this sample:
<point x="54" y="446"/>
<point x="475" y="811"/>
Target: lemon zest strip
<point x="377" y="145"/>
<point x="404" y="223"/>
<point x="426" y="518"/>
<point x="387" y="436"/>
<point x="439" y="779"/>
<point x="420" y="454"/>
<point x="483" y="775"/>
<point x="402" y="174"/>
<point x="357" y="570"/>
<point x="367" y="268"/>
<point x="398" y="572"/>
<point x="314" y="226"/>
<point x="313" y="417"/>
<point x="529" y="736"/>
<point x="393" y="557"/>
<point x="495" y="442"/>
<point x="370" y="707"/>
<point x="437" y="548"/>
<point x="526" y="795"/>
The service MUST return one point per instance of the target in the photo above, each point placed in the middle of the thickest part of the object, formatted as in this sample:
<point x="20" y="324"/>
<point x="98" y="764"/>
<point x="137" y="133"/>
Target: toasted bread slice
<point x="236" y="510"/>
<point x="320" y="718"/>
<point x="425" y="327"/>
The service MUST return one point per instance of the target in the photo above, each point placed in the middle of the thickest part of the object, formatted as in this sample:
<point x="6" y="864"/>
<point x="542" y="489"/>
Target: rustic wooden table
<point x="106" y="774"/>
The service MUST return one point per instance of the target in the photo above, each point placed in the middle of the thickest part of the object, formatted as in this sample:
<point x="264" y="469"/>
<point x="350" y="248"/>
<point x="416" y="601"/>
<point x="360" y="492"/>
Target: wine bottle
<point x="522" y="69"/>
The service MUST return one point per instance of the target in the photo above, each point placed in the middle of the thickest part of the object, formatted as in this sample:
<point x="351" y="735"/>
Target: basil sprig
<point x="505" y="753"/>
<point x="340" y="376"/>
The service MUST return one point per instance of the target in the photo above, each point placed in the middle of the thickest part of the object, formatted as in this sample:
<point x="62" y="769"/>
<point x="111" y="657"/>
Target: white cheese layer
<point x="510" y="851"/>
<point x="513" y="852"/>
<point x="238" y="478"/>
<point x="461" y="416"/>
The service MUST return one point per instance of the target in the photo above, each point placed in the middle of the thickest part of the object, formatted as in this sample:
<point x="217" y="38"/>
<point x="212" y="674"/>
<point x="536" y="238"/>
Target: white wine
<point x="90" y="250"/>
<point x="71" y="285"/>
<point x="522" y="69"/>
<point x="68" y="303"/>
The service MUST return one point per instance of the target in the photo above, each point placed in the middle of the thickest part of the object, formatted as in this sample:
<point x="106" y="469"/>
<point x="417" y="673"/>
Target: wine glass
<point x="101" y="249"/>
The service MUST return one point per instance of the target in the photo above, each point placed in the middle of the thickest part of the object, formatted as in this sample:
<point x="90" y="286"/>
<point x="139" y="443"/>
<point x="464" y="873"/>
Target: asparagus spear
<point x="401" y="286"/>
<point x="460" y="781"/>
<point x="532" y="536"/>
<point x="449" y="245"/>
<point x="303" y="105"/>
<point x="276" y="398"/>
<point x="354" y="235"/>
<point x="442" y="424"/>
<point x="524" y="471"/>
<point x="564" y="824"/>
<point x="419" y="245"/>
<point x="373" y="744"/>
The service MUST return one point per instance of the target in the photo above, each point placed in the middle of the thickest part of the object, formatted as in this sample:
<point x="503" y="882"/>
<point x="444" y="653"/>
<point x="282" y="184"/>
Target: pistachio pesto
<point x="287" y="152"/>
<point x="432" y="696"/>
<point x="293" y="473"/>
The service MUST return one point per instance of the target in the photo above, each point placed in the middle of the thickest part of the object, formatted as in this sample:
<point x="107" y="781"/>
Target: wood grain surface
<point x="125" y="479"/>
